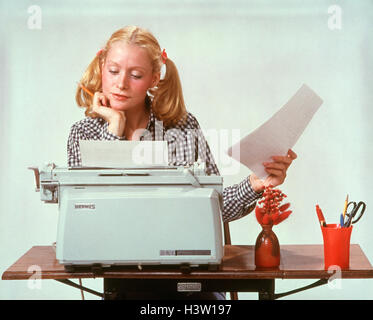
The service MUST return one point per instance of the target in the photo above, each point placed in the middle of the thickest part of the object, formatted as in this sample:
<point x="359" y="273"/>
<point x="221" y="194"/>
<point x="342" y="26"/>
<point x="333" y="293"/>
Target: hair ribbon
<point x="164" y="56"/>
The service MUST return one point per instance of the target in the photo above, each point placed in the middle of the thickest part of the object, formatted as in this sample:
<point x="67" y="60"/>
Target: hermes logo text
<point x="90" y="206"/>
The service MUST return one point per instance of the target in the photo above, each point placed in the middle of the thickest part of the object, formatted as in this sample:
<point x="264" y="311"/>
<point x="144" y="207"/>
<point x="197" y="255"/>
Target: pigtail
<point x="91" y="80"/>
<point x="168" y="101"/>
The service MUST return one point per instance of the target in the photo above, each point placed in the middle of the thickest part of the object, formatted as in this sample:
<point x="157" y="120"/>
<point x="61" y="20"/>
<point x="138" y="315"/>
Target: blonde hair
<point x="166" y="99"/>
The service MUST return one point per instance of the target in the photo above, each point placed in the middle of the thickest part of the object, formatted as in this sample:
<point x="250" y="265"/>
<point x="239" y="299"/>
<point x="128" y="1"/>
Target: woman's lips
<point x="119" y="97"/>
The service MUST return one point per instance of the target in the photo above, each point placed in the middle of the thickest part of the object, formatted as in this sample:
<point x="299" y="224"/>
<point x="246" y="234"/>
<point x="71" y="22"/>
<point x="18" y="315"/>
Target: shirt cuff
<point x="106" y="135"/>
<point x="246" y="193"/>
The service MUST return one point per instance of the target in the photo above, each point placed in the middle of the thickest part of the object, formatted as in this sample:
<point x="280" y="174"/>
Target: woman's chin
<point x="118" y="107"/>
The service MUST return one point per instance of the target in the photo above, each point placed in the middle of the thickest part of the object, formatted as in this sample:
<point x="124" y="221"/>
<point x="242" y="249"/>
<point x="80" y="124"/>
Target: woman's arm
<point x="87" y="129"/>
<point x="239" y="199"/>
<point x="73" y="149"/>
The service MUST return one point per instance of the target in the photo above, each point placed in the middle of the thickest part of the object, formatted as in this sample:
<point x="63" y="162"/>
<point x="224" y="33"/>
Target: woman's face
<point x="127" y="74"/>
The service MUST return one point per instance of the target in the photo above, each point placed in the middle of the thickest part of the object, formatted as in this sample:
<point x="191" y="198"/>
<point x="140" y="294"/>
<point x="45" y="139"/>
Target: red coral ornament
<point x="271" y="212"/>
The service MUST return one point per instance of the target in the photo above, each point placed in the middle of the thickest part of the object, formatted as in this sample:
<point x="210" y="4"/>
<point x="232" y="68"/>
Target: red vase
<point x="267" y="249"/>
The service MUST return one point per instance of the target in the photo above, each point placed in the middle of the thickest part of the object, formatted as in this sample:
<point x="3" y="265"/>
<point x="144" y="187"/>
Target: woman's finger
<point x="103" y="100"/>
<point x="99" y="99"/>
<point x="95" y="99"/>
<point x="276" y="172"/>
<point x="286" y="160"/>
<point x="292" y="154"/>
<point x="275" y="165"/>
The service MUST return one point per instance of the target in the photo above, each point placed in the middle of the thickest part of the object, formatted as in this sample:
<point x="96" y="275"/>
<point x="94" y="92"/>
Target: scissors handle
<point x="363" y="207"/>
<point x="351" y="215"/>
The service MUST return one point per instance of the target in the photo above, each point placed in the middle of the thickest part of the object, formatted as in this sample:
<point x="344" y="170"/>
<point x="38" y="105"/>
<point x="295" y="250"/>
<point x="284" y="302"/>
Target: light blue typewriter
<point x="151" y="215"/>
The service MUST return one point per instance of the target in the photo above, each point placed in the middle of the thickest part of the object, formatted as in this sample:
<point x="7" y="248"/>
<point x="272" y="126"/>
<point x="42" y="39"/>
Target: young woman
<point x="132" y="102"/>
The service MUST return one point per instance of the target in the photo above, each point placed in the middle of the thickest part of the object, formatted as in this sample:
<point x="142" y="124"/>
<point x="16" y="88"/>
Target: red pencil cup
<point x="336" y="246"/>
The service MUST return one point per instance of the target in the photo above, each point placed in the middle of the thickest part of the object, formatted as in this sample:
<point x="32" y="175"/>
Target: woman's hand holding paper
<point x="276" y="171"/>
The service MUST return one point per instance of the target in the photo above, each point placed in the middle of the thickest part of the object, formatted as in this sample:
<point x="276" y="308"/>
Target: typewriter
<point x="136" y="215"/>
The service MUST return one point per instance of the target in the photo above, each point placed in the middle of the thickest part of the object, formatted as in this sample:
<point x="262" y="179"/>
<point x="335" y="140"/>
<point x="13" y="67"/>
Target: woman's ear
<point x="156" y="78"/>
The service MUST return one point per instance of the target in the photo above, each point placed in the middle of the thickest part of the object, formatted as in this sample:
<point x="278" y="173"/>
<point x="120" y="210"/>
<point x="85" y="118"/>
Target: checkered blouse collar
<point x="151" y="119"/>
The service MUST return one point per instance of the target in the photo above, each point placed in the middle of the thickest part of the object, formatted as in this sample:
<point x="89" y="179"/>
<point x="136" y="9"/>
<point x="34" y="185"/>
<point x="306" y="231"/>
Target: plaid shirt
<point x="186" y="144"/>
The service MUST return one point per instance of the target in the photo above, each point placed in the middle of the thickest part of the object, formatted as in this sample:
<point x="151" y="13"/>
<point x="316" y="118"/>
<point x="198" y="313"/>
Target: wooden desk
<point x="236" y="273"/>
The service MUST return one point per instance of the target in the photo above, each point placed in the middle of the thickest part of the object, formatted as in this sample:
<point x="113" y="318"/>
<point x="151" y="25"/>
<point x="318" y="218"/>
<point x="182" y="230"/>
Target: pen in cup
<point x="342" y="224"/>
<point x="345" y="207"/>
<point x="320" y="216"/>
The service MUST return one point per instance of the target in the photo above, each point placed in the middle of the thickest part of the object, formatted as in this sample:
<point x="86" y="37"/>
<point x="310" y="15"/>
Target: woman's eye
<point x="133" y="75"/>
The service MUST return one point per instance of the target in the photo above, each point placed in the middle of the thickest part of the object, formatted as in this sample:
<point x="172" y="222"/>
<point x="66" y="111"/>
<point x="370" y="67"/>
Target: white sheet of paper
<point x="122" y="154"/>
<point x="278" y="134"/>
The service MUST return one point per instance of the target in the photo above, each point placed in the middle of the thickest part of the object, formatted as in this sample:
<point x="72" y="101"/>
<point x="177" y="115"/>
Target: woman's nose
<point x="123" y="82"/>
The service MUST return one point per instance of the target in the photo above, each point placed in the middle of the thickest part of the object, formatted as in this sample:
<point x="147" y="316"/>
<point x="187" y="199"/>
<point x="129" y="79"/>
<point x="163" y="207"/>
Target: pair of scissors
<point x="356" y="207"/>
